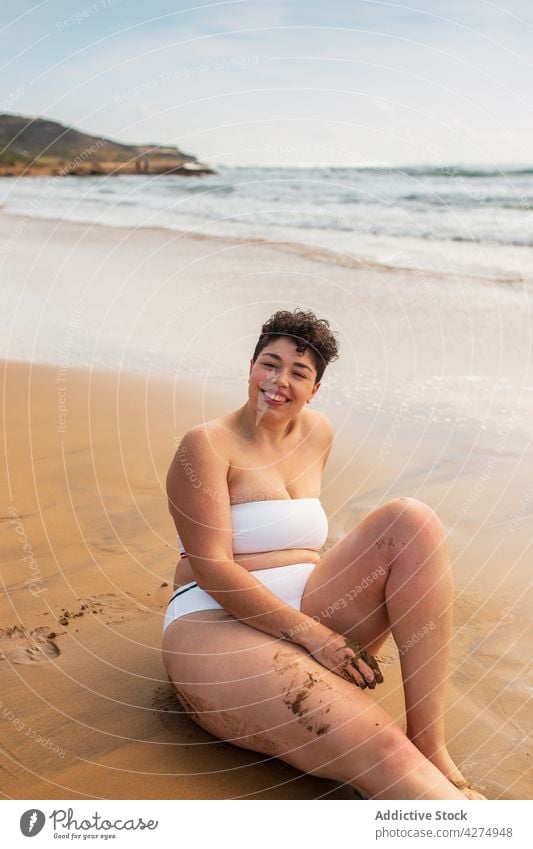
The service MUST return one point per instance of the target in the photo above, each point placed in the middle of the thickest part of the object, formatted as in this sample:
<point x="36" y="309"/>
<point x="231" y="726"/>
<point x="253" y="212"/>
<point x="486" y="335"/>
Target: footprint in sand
<point x="113" y="608"/>
<point x="18" y="645"/>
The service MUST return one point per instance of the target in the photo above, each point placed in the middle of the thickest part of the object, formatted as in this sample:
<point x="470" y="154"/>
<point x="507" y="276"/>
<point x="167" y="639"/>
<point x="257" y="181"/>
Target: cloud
<point x="377" y="79"/>
<point x="248" y="15"/>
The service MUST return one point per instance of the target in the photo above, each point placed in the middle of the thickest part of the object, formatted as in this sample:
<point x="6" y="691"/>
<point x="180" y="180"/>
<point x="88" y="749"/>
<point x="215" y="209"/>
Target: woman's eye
<point x="297" y="374"/>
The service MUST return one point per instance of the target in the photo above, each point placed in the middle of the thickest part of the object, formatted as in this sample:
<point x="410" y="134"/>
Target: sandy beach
<point x="92" y="411"/>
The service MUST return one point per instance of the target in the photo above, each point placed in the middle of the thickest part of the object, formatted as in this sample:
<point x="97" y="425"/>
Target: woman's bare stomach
<point x="252" y="562"/>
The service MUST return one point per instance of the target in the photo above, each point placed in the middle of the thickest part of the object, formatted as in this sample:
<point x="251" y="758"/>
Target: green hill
<point x="36" y="146"/>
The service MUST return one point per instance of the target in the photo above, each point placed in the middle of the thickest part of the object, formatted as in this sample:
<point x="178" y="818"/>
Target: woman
<point x="270" y="644"/>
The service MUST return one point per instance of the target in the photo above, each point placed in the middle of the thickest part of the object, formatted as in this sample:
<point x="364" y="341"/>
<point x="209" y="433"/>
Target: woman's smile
<point x="280" y="376"/>
<point x="275" y="399"/>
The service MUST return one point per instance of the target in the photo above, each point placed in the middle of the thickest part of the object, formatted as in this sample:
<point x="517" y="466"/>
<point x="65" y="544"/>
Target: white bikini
<point x="260" y="526"/>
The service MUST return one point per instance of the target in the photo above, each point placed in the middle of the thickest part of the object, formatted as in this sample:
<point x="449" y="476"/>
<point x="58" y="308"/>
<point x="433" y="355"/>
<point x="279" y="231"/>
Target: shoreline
<point x="99" y="296"/>
<point x="318" y="253"/>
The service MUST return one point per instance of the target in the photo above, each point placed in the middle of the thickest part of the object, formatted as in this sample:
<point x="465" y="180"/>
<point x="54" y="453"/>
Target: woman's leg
<point x="392" y="573"/>
<point x="268" y="695"/>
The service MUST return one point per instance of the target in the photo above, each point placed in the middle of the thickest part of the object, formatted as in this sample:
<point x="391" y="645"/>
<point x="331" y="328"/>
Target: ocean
<point x="449" y="219"/>
<point x="425" y="272"/>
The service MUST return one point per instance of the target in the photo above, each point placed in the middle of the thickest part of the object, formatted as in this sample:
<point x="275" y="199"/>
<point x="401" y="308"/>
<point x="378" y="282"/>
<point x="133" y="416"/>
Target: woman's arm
<point x="200" y="505"/>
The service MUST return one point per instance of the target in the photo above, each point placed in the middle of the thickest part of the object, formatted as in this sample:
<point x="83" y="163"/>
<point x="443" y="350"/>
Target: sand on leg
<point x="265" y="694"/>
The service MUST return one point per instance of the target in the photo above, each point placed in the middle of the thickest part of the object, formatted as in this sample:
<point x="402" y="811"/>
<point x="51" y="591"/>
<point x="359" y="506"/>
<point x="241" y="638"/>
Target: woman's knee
<point x="406" y="520"/>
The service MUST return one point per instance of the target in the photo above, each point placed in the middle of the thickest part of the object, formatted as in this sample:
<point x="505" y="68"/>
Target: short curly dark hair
<point x="308" y="333"/>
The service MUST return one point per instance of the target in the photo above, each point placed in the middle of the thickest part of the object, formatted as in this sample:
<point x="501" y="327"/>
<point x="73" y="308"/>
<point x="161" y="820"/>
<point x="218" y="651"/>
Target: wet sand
<point x="431" y="399"/>
<point x="88" y="560"/>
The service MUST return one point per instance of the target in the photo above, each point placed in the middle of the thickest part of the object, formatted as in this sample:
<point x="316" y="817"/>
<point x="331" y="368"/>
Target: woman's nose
<point x="281" y="378"/>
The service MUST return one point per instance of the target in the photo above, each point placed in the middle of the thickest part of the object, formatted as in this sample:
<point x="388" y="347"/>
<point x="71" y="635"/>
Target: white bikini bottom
<point x="287" y="582"/>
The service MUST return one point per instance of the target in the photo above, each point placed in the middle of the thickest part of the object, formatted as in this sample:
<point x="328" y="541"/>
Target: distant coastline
<point x="35" y="147"/>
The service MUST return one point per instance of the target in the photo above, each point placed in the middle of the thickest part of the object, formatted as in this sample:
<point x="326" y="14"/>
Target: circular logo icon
<point x="31" y="822"/>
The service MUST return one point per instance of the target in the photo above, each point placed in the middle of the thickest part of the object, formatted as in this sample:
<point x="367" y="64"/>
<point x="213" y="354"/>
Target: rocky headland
<point x="37" y="147"/>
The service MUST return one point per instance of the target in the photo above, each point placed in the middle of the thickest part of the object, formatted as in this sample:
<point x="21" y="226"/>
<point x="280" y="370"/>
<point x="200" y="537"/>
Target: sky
<point x="297" y="82"/>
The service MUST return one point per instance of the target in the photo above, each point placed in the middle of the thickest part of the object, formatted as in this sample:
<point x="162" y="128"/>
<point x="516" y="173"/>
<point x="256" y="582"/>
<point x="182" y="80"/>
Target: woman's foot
<point x="466" y="788"/>
<point x="441" y="759"/>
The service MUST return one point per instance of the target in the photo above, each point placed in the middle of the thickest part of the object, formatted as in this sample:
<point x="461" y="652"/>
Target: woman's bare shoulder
<point x="316" y="422"/>
<point x="209" y="441"/>
<point x="204" y="436"/>
<point x="199" y="467"/>
<point x="319" y="434"/>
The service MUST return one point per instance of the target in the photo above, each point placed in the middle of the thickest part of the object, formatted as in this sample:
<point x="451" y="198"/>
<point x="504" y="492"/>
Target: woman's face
<point x="281" y="380"/>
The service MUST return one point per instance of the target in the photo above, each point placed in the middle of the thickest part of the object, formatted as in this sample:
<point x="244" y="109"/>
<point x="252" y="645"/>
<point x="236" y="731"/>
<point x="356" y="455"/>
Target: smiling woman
<point x="290" y="358"/>
<point x="266" y="641"/>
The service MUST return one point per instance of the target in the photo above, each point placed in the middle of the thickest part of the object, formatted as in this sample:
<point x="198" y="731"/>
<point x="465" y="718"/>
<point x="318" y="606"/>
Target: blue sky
<point x="342" y="82"/>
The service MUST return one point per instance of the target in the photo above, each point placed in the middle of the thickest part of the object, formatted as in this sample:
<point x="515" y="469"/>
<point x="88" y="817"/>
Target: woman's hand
<point x="348" y="659"/>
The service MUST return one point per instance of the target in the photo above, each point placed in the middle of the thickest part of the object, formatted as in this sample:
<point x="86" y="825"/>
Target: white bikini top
<point x="276" y="524"/>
